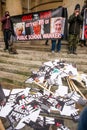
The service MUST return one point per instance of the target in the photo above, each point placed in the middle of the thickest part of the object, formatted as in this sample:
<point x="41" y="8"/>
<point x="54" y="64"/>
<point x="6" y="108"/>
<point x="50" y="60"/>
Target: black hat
<point x="77" y="7"/>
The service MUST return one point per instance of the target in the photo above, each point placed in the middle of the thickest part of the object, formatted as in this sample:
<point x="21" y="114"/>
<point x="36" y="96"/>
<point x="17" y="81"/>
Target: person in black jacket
<point x="75" y="20"/>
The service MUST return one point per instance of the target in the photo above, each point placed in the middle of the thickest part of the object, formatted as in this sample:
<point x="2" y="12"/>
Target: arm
<point x="72" y="18"/>
<point x="4" y="19"/>
<point x="80" y="18"/>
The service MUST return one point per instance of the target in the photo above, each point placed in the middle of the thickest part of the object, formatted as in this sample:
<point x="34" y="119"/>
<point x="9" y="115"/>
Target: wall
<point x="37" y="5"/>
<point x="70" y="5"/>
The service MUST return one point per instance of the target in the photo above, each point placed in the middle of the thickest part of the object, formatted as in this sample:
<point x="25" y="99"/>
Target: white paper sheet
<point x="5" y="110"/>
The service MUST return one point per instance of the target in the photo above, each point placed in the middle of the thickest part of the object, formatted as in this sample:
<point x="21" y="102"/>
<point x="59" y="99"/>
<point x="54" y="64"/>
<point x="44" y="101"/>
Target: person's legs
<point x="6" y="39"/>
<point x="46" y="43"/>
<point x="53" y="45"/>
<point x="59" y="45"/>
<point x="70" y="44"/>
<point x="82" y="124"/>
<point x="75" y="42"/>
<point x="85" y="43"/>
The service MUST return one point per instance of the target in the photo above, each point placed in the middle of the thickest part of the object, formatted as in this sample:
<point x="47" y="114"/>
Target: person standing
<point x="6" y="28"/>
<point x="8" y="31"/>
<point x="82" y="124"/>
<point x="75" y="20"/>
<point x="83" y="41"/>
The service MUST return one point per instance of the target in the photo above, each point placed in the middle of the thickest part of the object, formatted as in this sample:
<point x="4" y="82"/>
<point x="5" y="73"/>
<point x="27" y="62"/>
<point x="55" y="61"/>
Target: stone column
<point x="14" y="7"/>
<point x="0" y="22"/>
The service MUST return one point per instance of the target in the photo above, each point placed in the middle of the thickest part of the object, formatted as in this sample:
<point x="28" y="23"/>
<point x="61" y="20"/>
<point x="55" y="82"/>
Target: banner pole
<point x="28" y="6"/>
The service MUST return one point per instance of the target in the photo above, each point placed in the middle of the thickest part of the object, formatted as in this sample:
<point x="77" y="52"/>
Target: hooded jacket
<point x="74" y="24"/>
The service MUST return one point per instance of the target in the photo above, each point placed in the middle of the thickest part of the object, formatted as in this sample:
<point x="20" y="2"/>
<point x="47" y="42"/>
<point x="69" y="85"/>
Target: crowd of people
<point x="75" y="22"/>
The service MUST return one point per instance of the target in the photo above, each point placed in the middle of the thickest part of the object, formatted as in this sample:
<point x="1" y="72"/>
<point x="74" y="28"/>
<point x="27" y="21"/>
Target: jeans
<point x="56" y="46"/>
<point x="7" y="34"/>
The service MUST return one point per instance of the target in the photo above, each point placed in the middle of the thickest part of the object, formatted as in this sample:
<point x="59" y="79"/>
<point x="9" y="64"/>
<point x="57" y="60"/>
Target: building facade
<point x="16" y="7"/>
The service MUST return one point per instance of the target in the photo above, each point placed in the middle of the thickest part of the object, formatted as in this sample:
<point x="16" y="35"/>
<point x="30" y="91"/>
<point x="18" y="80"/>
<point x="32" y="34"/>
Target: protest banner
<point x="48" y="24"/>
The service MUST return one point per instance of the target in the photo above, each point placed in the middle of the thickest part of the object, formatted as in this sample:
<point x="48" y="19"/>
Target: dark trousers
<point x="56" y="46"/>
<point x="7" y="34"/>
<point x="73" y="42"/>
<point x="46" y="43"/>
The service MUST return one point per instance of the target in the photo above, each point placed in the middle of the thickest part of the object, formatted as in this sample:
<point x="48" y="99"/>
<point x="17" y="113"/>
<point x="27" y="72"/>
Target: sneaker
<point x="5" y="49"/>
<point x="58" y="51"/>
<point x="52" y="51"/>
<point x="69" y="52"/>
<point x="13" y="52"/>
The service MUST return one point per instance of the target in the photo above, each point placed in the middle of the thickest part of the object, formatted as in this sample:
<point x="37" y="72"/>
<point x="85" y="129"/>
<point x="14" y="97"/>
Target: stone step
<point x="24" y="53"/>
<point x="40" y="46"/>
<point x="34" y="58"/>
<point x="15" y="69"/>
<point x="15" y="79"/>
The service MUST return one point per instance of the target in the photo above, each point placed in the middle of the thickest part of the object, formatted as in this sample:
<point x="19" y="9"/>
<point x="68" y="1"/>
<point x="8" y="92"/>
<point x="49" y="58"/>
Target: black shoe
<point x="85" y="45"/>
<point x="69" y="52"/>
<point x="13" y="52"/>
<point x="46" y="44"/>
<point x="75" y="53"/>
<point x="81" y="45"/>
<point x="5" y="49"/>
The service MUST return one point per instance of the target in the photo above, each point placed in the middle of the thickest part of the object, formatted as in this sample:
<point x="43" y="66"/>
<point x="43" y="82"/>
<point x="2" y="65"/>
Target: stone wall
<point x="38" y="5"/>
<point x="70" y="5"/>
<point x="0" y="23"/>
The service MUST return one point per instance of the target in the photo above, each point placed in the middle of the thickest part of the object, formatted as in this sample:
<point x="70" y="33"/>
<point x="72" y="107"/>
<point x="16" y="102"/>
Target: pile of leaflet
<point x="27" y="106"/>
